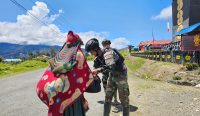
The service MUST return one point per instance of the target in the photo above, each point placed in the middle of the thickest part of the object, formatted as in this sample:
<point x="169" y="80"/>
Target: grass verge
<point x="134" y="64"/>
<point x="124" y="53"/>
<point x="13" y="68"/>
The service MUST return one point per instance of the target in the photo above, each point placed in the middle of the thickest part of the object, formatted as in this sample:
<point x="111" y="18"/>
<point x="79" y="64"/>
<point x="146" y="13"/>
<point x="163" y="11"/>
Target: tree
<point x="37" y="53"/>
<point x="22" y="56"/>
<point x="52" y="52"/>
<point x="30" y="54"/>
<point x="1" y="59"/>
<point x="130" y="47"/>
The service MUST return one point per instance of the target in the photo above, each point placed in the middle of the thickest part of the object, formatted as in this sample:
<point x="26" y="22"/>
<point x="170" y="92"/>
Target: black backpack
<point x="120" y="61"/>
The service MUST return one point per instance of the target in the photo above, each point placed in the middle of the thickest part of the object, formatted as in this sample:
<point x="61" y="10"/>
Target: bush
<point x="195" y="65"/>
<point x="42" y="58"/>
<point x="146" y="76"/>
<point x="1" y="59"/>
<point x="188" y="66"/>
<point x="191" y="66"/>
<point x="90" y="58"/>
<point x="176" y="78"/>
<point x="4" y="68"/>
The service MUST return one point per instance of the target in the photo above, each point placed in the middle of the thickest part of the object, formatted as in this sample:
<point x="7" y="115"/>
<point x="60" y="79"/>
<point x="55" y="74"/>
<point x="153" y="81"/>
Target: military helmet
<point x="106" y="41"/>
<point x="91" y="44"/>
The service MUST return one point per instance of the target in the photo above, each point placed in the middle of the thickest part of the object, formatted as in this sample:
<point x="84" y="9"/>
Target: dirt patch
<point x="165" y="71"/>
<point x="158" y="98"/>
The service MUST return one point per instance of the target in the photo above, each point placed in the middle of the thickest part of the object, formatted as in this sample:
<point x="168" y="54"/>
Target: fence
<point x="179" y="57"/>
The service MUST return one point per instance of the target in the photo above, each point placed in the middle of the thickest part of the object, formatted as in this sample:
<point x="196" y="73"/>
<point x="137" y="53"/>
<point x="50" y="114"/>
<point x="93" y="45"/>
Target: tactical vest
<point x="117" y="59"/>
<point x="99" y="62"/>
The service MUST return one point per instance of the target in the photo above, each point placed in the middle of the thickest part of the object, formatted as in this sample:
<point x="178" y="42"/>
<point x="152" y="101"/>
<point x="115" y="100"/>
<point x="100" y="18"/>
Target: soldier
<point x="117" y="76"/>
<point x="106" y="44"/>
<point x="99" y="61"/>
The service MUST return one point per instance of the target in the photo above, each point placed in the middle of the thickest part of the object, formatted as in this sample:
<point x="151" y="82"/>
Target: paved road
<point x="148" y="98"/>
<point x="18" y="96"/>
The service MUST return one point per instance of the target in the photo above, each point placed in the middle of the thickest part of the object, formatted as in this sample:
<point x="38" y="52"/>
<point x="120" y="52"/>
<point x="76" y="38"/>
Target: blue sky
<point x="122" y="21"/>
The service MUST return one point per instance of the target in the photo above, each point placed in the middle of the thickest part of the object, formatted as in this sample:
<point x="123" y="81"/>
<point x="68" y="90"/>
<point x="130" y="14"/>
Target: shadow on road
<point x="118" y="107"/>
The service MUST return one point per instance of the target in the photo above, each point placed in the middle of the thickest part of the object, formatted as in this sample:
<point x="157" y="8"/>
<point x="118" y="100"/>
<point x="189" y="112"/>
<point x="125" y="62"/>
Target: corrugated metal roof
<point x="162" y="42"/>
<point x="188" y="29"/>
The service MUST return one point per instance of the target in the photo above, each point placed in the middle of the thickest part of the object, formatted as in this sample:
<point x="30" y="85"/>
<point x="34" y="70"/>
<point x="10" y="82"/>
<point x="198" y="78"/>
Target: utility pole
<point x="153" y="38"/>
<point x="153" y="45"/>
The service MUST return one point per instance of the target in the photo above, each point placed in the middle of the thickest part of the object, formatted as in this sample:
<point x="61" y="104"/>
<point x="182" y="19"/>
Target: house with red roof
<point x="152" y="45"/>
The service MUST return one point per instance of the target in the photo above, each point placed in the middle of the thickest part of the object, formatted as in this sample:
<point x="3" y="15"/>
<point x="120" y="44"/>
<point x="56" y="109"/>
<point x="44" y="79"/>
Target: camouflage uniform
<point x="117" y="79"/>
<point x="99" y="62"/>
<point x="117" y="75"/>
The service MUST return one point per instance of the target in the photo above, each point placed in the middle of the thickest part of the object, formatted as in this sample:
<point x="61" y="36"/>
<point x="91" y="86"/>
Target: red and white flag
<point x="168" y="25"/>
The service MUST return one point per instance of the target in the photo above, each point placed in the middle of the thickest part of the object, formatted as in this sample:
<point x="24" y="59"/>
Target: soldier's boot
<point x="126" y="111"/>
<point x="107" y="107"/>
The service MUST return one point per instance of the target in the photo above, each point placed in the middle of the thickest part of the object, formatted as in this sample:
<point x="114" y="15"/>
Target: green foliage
<point x="30" y="54"/>
<point x="12" y="68"/>
<point x="176" y="78"/>
<point x="90" y="58"/>
<point x="42" y="58"/>
<point x="53" y="51"/>
<point x="135" y="64"/>
<point x="195" y="65"/>
<point x="124" y="53"/>
<point x="147" y="76"/>
<point x="199" y="71"/>
<point x="1" y="59"/>
<point x="191" y="66"/>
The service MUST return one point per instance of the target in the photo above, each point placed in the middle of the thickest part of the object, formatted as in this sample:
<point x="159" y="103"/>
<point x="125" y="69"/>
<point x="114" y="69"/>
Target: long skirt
<point x="76" y="109"/>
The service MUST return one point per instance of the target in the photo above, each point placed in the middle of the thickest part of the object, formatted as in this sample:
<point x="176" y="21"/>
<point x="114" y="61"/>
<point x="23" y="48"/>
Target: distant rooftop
<point x="155" y="42"/>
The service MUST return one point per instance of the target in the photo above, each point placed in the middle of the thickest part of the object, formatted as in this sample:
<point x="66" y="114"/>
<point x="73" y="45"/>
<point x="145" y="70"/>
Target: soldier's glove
<point x="106" y="67"/>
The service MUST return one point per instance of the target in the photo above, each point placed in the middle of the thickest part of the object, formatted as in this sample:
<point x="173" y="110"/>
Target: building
<point x="186" y="27"/>
<point x="12" y="60"/>
<point x="190" y="41"/>
<point x="152" y="45"/>
<point x="185" y="13"/>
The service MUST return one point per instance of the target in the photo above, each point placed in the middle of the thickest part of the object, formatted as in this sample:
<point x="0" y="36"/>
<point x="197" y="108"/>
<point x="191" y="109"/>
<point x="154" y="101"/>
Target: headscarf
<point x="67" y="77"/>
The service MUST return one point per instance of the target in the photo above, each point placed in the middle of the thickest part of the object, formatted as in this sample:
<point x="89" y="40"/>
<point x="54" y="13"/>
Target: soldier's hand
<point x="94" y="73"/>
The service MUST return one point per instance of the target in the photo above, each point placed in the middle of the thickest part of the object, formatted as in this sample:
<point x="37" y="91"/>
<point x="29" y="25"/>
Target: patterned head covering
<point x="67" y="77"/>
<point x="73" y="39"/>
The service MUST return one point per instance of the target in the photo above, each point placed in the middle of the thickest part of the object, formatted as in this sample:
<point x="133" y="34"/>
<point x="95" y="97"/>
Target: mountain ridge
<point x="10" y="50"/>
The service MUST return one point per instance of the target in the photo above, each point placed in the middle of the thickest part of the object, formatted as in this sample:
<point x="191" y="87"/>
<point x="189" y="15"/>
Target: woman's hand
<point x="94" y="73"/>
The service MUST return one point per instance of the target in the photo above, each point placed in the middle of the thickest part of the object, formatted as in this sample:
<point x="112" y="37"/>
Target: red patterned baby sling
<point x="66" y="79"/>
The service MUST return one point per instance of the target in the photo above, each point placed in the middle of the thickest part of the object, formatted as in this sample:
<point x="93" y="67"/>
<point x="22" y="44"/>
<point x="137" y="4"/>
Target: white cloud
<point x="27" y="30"/>
<point x="115" y="43"/>
<point x="60" y="11"/>
<point x="166" y="12"/>
<point x="85" y="36"/>
<point x="41" y="11"/>
<point x="120" y="43"/>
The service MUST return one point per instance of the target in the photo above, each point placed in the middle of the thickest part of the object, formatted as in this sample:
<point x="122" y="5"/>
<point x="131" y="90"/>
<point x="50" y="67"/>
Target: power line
<point x="62" y="20"/>
<point x="35" y="17"/>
